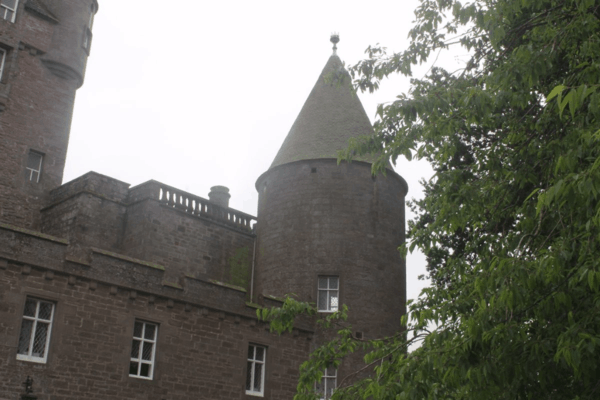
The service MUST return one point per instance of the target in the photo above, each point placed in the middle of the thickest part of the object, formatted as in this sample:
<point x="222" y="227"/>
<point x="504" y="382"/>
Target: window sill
<point x="146" y="378"/>
<point x="37" y="360"/>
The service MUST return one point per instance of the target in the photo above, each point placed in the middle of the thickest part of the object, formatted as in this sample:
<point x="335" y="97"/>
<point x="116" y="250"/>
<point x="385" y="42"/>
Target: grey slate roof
<point x="330" y="116"/>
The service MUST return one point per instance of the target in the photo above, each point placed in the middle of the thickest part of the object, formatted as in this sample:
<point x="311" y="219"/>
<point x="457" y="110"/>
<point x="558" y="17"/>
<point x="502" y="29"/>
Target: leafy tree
<point x="510" y="223"/>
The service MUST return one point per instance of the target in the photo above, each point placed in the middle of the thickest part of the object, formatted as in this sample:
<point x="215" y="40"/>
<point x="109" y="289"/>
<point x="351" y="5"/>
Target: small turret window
<point x="34" y="166"/>
<point x="91" y="23"/>
<point x="329" y="294"/>
<point x="8" y="9"/>
<point x="2" y="61"/>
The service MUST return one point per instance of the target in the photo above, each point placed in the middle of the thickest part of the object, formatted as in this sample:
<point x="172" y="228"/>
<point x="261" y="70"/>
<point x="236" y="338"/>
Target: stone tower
<point x="44" y="46"/>
<point x="329" y="233"/>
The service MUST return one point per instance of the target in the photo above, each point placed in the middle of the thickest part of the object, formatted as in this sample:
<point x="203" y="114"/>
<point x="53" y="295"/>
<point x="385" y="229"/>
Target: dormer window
<point x="8" y="9"/>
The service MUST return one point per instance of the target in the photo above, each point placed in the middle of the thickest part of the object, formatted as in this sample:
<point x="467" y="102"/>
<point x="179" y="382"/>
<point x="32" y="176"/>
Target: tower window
<point x="255" y="375"/>
<point x="35" y="331"/>
<point x="327" y="385"/>
<point x="91" y="22"/>
<point x="143" y="349"/>
<point x="34" y="166"/>
<point x="8" y="9"/>
<point x="87" y="39"/>
<point x="329" y="291"/>
<point x="2" y="61"/>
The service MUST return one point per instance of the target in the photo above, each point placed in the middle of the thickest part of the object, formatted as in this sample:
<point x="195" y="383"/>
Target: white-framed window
<point x="143" y="350"/>
<point x="36" y="327"/>
<point x="328" y="383"/>
<point x="34" y="166"/>
<point x="255" y="375"/>
<point x="8" y="9"/>
<point x="329" y="293"/>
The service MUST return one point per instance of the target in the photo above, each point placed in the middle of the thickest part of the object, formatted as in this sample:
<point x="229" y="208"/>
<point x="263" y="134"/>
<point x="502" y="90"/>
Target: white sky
<point x="194" y="93"/>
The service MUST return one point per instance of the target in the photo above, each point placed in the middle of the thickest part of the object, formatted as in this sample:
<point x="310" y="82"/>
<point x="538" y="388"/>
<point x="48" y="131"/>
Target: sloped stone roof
<point x="330" y="116"/>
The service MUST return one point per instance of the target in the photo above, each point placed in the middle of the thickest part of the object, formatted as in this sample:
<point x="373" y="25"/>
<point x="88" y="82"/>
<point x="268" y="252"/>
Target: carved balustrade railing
<point x="192" y="204"/>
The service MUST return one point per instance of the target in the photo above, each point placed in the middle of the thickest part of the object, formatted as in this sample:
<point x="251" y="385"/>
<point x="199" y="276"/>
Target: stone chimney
<point x="219" y="195"/>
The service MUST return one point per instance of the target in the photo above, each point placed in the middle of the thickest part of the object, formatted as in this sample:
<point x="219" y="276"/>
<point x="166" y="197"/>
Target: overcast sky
<point x="194" y="93"/>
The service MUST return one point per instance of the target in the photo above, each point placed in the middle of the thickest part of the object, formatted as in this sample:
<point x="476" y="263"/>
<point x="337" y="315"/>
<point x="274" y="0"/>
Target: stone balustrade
<point x="196" y="205"/>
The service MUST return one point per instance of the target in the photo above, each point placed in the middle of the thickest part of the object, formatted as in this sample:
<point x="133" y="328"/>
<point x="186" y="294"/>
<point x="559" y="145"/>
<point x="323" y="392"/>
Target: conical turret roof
<point x="331" y="115"/>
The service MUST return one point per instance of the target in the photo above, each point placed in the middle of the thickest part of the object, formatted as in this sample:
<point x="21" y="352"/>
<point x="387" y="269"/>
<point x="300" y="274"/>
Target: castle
<point x="115" y="292"/>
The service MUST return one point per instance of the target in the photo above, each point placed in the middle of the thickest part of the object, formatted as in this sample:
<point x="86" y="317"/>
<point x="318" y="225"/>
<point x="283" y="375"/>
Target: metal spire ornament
<point x="335" y="38"/>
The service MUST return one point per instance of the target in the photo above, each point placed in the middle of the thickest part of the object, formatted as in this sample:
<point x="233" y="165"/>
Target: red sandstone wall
<point x="194" y="246"/>
<point x="318" y="218"/>
<point x="37" y="105"/>
<point x="204" y="329"/>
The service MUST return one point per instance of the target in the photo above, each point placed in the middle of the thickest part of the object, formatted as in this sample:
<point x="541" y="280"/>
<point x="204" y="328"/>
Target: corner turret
<point x="44" y="48"/>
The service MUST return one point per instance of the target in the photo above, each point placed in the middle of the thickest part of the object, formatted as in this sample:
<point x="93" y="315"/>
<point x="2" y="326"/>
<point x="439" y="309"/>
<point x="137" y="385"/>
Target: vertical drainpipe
<point x="252" y="273"/>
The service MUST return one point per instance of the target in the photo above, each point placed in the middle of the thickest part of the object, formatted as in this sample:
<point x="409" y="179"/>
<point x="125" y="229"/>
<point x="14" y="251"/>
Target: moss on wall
<point x="239" y="267"/>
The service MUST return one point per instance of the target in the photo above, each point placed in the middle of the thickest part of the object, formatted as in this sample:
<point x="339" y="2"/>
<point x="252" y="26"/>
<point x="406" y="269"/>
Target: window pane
<point x="33" y="160"/>
<point x="322" y="300"/>
<point x="322" y="283"/>
<point x="330" y="386"/>
<point x="147" y="352"/>
<point x="319" y="387"/>
<point x="149" y="332"/>
<point x="30" y="306"/>
<point x="137" y="329"/>
<point x="45" y="310"/>
<point x="250" y="352"/>
<point x="145" y="370"/>
<point x="249" y="376"/>
<point x="258" y="377"/>
<point x="39" y="341"/>
<point x="333" y="305"/>
<point x="25" y="336"/>
<point x="333" y="282"/>
<point x="133" y="368"/>
<point x="260" y="353"/>
<point x="135" y="349"/>
<point x="9" y="3"/>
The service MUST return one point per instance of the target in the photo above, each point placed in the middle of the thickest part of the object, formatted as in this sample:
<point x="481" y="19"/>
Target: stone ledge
<point x="227" y="285"/>
<point x="34" y="233"/>
<point x="127" y="258"/>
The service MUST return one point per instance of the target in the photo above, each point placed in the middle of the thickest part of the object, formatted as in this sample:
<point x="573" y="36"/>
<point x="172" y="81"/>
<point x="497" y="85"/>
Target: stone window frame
<point x="27" y="354"/>
<point x="7" y="62"/>
<point x="328" y="383"/>
<point x="30" y="169"/>
<point x="251" y="365"/>
<point x="5" y="9"/>
<point x="328" y="289"/>
<point x="138" y="344"/>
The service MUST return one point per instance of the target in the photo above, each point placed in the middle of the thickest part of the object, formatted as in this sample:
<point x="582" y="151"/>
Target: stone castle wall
<point x="204" y="328"/>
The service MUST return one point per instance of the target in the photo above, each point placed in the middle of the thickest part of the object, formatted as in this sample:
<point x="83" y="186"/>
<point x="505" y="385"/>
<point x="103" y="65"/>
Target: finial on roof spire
<point x="335" y="38"/>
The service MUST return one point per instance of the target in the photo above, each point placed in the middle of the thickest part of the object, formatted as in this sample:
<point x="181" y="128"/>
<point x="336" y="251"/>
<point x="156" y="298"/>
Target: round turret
<point x="43" y="52"/>
<point x="330" y="233"/>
